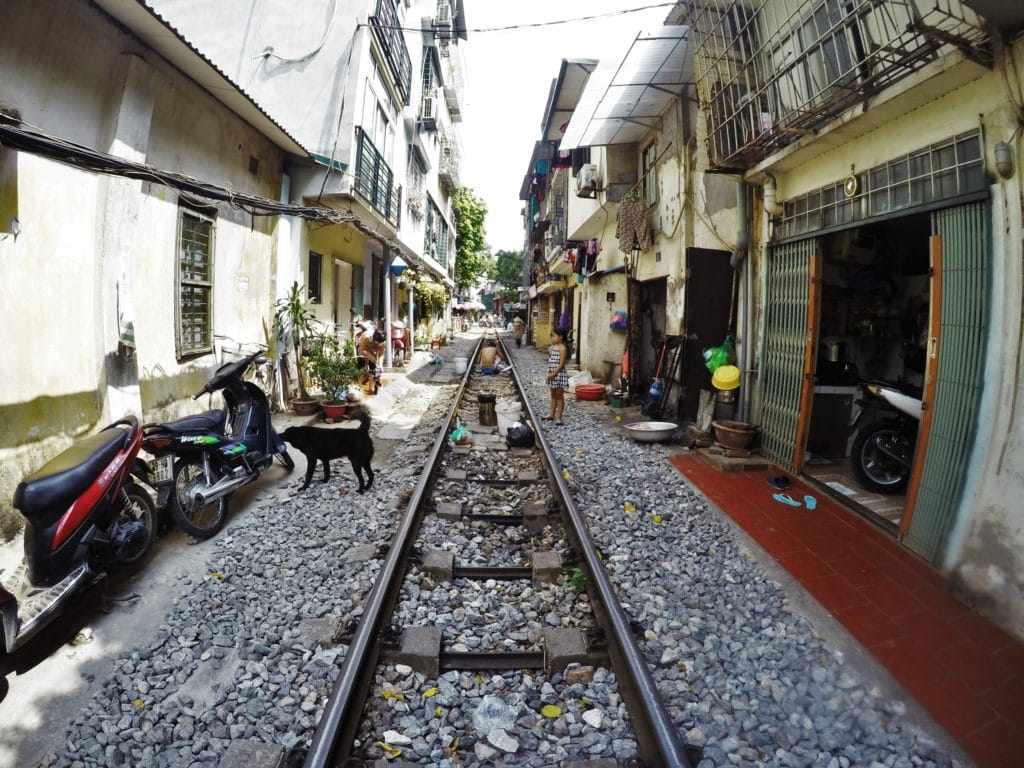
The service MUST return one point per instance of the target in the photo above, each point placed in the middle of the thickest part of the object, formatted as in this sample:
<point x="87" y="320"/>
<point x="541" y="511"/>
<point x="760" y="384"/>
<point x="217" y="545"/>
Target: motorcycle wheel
<point x="201" y="521"/>
<point x="874" y="468"/>
<point x="286" y="461"/>
<point x="141" y="509"/>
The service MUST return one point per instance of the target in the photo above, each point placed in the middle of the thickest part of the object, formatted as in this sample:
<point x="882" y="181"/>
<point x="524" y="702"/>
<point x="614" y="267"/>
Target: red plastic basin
<point x="589" y="391"/>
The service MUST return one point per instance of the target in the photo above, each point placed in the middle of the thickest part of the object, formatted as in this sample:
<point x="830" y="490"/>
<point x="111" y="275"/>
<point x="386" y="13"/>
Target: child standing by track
<point x="557" y="378"/>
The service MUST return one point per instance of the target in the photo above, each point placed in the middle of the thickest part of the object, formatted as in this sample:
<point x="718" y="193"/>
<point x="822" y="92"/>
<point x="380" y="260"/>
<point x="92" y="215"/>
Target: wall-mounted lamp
<point x="1004" y="159"/>
<point x="609" y="296"/>
<point x="398" y="266"/>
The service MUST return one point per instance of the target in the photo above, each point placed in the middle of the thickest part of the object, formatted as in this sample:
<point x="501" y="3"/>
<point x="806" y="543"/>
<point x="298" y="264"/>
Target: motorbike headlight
<point x="874" y="389"/>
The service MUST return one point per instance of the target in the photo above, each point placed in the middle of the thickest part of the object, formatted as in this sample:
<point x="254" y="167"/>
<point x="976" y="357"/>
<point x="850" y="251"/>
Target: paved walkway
<point x="965" y="671"/>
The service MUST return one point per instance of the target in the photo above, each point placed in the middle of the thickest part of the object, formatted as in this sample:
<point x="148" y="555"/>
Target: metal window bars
<point x="771" y="71"/>
<point x="388" y="32"/>
<point x="941" y="171"/>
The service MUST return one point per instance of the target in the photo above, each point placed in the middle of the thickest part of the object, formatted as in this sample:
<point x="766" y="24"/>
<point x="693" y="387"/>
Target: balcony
<point x="771" y="72"/>
<point x="374" y="179"/>
<point x="448" y="160"/>
<point x="387" y="31"/>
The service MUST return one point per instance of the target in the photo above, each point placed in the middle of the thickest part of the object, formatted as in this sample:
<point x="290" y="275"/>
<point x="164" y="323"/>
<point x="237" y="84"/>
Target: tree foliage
<point x="471" y="256"/>
<point x="508" y="273"/>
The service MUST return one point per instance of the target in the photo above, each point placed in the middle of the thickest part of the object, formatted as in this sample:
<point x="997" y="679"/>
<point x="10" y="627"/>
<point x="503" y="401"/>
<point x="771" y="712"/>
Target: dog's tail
<point x="363" y="418"/>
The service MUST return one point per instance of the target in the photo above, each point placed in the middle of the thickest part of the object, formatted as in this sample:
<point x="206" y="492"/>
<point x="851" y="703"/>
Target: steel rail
<point x="341" y="718"/>
<point x="657" y="737"/>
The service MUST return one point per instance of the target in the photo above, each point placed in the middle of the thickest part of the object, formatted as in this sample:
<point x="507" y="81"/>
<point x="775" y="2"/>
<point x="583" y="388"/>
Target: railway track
<point x="494" y="532"/>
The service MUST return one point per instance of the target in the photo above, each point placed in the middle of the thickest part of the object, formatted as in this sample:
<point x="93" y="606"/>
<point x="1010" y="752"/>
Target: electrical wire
<point x="268" y="52"/>
<point x="537" y="24"/>
<point x="36" y="142"/>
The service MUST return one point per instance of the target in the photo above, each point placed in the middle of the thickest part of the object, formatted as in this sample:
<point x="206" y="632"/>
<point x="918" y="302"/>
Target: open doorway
<point x="873" y="320"/>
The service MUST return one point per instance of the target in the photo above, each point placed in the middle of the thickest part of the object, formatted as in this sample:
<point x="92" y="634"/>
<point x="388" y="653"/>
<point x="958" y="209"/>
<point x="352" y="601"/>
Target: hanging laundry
<point x="631" y="226"/>
<point x="593" y="249"/>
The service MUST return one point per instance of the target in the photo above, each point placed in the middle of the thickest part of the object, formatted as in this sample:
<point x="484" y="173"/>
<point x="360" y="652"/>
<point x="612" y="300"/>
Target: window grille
<point x="195" y="283"/>
<point x="387" y="30"/>
<point x="769" y="72"/>
<point x="943" y="171"/>
<point x="374" y="179"/>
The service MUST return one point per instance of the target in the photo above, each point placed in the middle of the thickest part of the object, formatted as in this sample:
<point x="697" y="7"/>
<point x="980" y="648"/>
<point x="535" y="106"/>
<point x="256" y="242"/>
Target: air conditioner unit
<point x="587" y="181"/>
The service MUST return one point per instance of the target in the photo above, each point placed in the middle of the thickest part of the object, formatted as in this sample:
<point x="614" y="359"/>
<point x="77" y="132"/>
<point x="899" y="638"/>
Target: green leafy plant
<point x="332" y="365"/>
<point x="577" y="580"/>
<point x="295" y="319"/>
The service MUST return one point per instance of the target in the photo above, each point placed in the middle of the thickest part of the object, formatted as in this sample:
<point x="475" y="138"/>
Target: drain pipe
<point x="738" y="262"/>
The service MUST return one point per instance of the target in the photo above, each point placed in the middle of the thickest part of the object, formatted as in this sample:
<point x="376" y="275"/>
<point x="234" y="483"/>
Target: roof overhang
<point x="158" y="33"/>
<point x="626" y="96"/>
<point x="565" y="95"/>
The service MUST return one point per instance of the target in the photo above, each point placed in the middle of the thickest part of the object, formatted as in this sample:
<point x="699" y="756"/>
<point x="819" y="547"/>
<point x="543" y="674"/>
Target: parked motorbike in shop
<point x="199" y="461"/>
<point x="886" y="435"/>
<point x="85" y="516"/>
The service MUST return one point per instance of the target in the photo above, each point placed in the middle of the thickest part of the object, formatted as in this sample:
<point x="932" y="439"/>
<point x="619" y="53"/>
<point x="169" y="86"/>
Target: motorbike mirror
<point x="260" y="359"/>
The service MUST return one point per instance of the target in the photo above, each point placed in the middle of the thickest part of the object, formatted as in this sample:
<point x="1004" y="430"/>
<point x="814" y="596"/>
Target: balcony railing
<point x="448" y="160"/>
<point x="388" y="32"/>
<point x="770" y="72"/>
<point x="375" y="179"/>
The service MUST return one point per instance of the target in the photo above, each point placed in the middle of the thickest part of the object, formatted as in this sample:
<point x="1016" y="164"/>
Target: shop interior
<point x="873" y="324"/>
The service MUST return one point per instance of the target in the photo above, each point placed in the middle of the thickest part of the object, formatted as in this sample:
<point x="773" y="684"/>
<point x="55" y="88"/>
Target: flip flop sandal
<point x="785" y="498"/>
<point x="811" y="502"/>
<point x="779" y="481"/>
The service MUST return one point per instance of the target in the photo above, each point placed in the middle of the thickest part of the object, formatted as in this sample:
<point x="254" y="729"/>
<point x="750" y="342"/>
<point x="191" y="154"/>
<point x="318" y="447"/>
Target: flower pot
<point x="734" y="434"/>
<point x="305" y="407"/>
<point x="334" y="410"/>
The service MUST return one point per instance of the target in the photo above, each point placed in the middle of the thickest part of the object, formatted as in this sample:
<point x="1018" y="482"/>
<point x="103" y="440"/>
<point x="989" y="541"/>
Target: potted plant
<point x="295" y="320"/>
<point x="333" y="366"/>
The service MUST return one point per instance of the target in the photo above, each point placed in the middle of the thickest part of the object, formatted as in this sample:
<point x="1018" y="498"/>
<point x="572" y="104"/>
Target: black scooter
<point x="886" y="435"/>
<point x="85" y="515"/>
<point x="200" y="460"/>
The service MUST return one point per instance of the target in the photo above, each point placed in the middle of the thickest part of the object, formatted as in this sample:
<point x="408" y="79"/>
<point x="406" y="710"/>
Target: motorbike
<point x="200" y="460"/>
<point x="85" y="516"/>
<point x="886" y="435"/>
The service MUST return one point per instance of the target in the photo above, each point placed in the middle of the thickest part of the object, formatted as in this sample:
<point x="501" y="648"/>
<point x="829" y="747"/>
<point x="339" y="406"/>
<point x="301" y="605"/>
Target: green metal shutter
<point x="787" y="293"/>
<point x="966" y="248"/>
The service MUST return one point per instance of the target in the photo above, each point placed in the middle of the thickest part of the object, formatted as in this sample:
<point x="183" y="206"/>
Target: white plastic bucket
<point x="461" y="363"/>
<point x="506" y="420"/>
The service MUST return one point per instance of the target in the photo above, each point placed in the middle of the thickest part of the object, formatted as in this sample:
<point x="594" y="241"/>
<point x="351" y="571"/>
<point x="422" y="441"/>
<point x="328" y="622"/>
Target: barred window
<point x="195" y="283"/>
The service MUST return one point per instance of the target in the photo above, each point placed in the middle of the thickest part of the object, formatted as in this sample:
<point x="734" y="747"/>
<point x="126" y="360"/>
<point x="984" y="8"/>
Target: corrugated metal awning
<point x="625" y="97"/>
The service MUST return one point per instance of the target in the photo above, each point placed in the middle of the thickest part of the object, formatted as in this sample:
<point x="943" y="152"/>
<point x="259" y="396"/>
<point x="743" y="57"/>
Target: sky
<point x="508" y="76"/>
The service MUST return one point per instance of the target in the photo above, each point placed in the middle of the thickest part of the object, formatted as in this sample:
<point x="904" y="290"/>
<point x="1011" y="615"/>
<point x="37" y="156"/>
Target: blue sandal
<point x="785" y="498"/>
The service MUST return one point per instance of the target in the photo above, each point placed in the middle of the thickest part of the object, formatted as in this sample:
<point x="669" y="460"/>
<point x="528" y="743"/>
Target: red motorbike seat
<point x="45" y="495"/>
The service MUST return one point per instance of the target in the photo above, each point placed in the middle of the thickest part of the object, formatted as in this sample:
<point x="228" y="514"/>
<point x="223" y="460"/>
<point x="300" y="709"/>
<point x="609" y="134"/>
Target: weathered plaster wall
<point x="95" y="250"/>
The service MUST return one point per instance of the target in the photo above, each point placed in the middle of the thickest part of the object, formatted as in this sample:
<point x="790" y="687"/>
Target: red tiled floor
<point x="964" y="670"/>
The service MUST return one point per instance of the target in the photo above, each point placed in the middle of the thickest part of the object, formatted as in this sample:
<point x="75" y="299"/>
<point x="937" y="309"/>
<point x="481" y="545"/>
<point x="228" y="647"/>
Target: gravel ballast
<point x="746" y="676"/>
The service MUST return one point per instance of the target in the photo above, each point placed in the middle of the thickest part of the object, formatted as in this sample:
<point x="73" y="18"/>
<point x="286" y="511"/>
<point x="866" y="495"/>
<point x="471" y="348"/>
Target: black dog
<point x="319" y="444"/>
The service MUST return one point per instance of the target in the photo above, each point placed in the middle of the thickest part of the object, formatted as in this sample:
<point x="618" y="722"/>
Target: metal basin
<point x="651" y="431"/>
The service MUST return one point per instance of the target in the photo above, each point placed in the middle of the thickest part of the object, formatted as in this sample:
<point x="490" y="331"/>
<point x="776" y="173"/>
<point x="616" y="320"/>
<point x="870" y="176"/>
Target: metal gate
<point x="961" y="250"/>
<point x="786" y="358"/>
